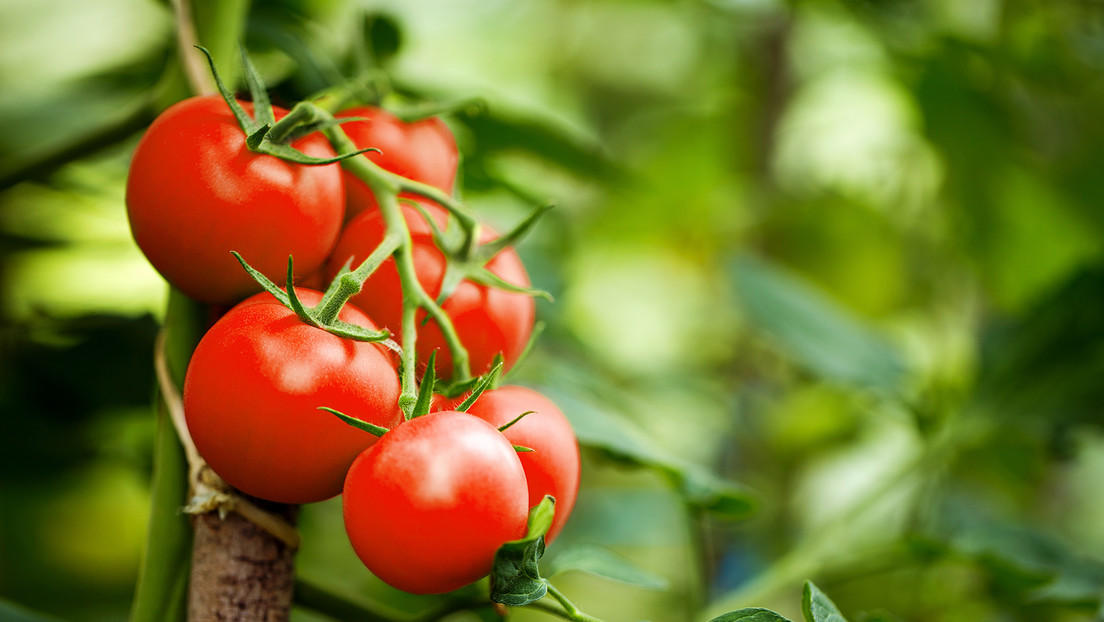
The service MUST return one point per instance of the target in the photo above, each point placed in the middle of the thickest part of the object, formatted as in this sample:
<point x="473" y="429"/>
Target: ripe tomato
<point x="424" y="151"/>
<point x="252" y="392"/>
<point x="195" y="192"/>
<point x="488" y="320"/>
<point x="428" y="505"/>
<point x="552" y="468"/>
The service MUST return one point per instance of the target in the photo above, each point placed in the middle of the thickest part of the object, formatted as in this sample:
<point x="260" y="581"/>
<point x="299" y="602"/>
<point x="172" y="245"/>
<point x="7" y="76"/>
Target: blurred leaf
<point x="817" y="607"/>
<point x="622" y="440"/>
<point x="10" y="612"/>
<point x="814" y="330"/>
<point x="496" y="131"/>
<point x="1049" y="363"/>
<point x="604" y="563"/>
<point x="751" y="614"/>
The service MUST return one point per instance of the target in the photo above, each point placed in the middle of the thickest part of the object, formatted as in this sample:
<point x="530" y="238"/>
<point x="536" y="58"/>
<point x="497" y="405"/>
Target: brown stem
<point x="240" y="572"/>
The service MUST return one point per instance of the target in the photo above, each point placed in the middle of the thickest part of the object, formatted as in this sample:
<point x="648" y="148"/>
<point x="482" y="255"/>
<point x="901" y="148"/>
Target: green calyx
<point x="264" y="134"/>
<point x="324" y="315"/>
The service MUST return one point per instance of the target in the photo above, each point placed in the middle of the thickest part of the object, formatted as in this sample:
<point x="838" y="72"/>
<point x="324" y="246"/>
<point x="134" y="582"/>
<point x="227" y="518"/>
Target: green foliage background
<point x="847" y="253"/>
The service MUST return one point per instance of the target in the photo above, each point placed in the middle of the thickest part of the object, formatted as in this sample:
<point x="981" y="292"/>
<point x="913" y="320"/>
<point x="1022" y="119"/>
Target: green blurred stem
<point x="569" y="611"/>
<point x="161" y="592"/>
<point x="217" y="25"/>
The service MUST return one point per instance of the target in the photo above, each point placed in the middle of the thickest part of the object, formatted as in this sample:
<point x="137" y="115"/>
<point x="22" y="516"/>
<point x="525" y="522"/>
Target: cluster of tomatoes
<point x="429" y="501"/>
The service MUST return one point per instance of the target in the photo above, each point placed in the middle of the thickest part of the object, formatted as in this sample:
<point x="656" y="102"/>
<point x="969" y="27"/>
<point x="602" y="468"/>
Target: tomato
<point x="428" y="505"/>
<point x="195" y="192"/>
<point x="488" y="320"/>
<point x="423" y="151"/>
<point x="252" y="392"/>
<point x="552" y="468"/>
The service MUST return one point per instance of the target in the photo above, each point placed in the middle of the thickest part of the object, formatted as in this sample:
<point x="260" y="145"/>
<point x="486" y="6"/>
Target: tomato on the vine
<point x="423" y="150"/>
<point x="427" y="506"/>
<point x="195" y="192"/>
<point x="552" y="468"/>
<point x="252" y="392"/>
<point x="488" y="320"/>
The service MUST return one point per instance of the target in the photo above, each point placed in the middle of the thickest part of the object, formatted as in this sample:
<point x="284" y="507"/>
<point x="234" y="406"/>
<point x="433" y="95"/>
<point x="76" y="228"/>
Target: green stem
<point x="220" y="26"/>
<point x="569" y="611"/>
<point x="350" y="284"/>
<point x="385" y="186"/>
<point x="161" y="591"/>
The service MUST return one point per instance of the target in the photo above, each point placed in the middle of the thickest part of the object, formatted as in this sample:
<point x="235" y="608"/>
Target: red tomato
<point x="552" y="468"/>
<point x="423" y="151"/>
<point x="195" y="192"/>
<point x="488" y="320"/>
<point x="252" y="392"/>
<point x="429" y="504"/>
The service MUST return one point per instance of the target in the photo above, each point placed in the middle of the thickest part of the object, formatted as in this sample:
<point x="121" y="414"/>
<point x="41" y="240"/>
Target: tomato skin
<point x="488" y="320"/>
<point x="195" y="192"/>
<point x="428" y="505"/>
<point x="552" y="468"/>
<point x="423" y="150"/>
<point x="252" y="392"/>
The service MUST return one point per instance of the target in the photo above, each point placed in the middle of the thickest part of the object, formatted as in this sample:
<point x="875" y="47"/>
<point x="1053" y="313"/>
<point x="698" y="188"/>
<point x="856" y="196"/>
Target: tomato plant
<point x="252" y="392"/>
<point x="428" y="505"/>
<point x="552" y="468"/>
<point x="423" y="151"/>
<point x="196" y="191"/>
<point x="489" y="321"/>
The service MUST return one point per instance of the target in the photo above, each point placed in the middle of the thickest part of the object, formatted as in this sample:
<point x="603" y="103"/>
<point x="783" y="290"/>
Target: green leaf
<point x="425" y="389"/>
<point x="814" y="330"/>
<point x="371" y="428"/>
<point x="515" y="577"/>
<point x="817" y="607"/>
<point x="751" y="614"/>
<point x="603" y="563"/>
<point x="505" y="427"/>
<point x="264" y="281"/>
<point x="484" y="383"/>
<point x="248" y="125"/>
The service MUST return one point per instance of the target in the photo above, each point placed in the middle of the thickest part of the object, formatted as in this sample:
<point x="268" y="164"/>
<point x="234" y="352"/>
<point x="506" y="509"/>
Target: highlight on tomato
<point x="430" y="503"/>
<point x="252" y="392"/>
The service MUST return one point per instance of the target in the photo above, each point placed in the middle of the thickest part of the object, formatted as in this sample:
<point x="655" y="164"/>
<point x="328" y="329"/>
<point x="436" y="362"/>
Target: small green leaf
<point x="515" y="420"/>
<point x="817" y="607"/>
<point x="262" y="107"/>
<point x="371" y="428"/>
<point x="425" y="389"/>
<point x="263" y="280"/>
<point x="751" y="614"/>
<point x="513" y="236"/>
<point x="484" y="276"/>
<point x="359" y="333"/>
<point x="248" y="125"/>
<point x="484" y="383"/>
<point x="603" y="563"/>
<point x="293" y="298"/>
<point x="522" y="449"/>
<point x="515" y="577"/>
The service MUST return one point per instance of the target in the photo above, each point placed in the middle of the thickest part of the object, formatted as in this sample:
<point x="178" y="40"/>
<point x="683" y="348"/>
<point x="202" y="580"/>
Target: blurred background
<point x="838" y="260"/>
